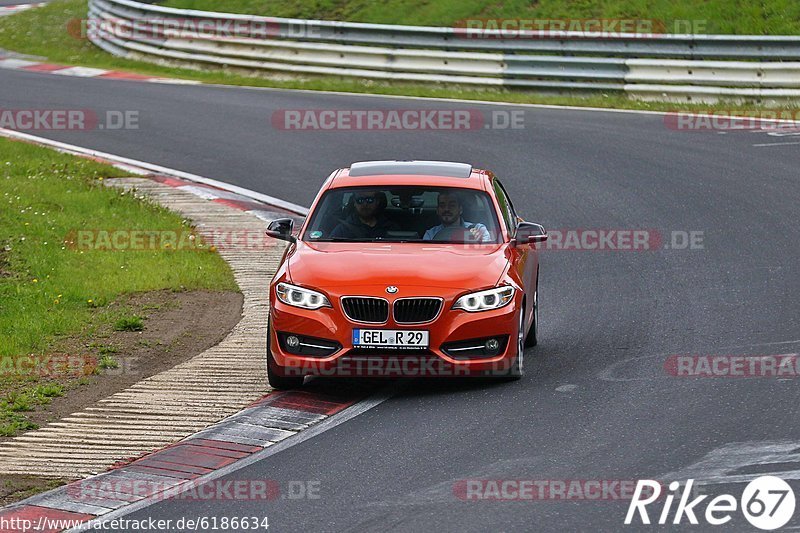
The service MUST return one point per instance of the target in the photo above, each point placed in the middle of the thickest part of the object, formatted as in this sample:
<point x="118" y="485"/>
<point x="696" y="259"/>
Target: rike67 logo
<point x="767" y="503"/>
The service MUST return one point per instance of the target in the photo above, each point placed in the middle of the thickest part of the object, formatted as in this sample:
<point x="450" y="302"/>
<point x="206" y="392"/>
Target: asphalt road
<point x="609" y="319"/>
<point x="18" y="2"/>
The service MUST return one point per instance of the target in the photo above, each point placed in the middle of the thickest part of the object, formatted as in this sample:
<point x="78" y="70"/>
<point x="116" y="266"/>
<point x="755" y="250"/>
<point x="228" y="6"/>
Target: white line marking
<point x="11" y="10"/>
<point x="329" y="423"/>
<point x="723" y="464"/>
<point x="133" y="170"/>
<point x="492" y="103"/>
<point x="776" y="144"/>
<point x="775" y="131"/>
<point x="180" y="81"/>
<point x="174" y="81"/>
<point x="13" y="63"/>
<point x="454" y="100"/>
<point x="760" y="344"/>
<point x="206" y="194"/>
<point x="81" y="72"/>
<point x="792" y="133"/>
<point x="70" y="148"/>
<point x="566" y="388"/>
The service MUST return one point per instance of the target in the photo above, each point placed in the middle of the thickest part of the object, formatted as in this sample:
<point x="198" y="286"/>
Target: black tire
<point x="516" y="371"/>
<point x="275" y="375"/>
<point x="532" y="338"/>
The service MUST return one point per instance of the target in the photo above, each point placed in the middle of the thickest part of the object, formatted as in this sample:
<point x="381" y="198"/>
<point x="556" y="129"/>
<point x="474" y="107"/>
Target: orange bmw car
<point x="405" y="268"/>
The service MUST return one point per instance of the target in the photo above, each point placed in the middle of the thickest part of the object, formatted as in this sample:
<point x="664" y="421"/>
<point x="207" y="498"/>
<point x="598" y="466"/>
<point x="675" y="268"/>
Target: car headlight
<point x="485" y="300"/>
<point x="300" y="297"/>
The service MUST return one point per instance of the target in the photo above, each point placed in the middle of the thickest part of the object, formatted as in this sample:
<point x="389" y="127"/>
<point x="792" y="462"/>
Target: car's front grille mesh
<point x="416" y="310"/>
<point x="372" y="310"/>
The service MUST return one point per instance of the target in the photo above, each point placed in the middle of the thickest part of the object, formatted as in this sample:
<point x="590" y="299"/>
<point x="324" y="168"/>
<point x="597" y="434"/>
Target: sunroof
<point x="415" y="168"/>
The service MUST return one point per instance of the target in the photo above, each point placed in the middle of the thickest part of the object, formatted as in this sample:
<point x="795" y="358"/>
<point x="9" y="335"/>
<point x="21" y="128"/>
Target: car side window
<point x="506" y="207"/>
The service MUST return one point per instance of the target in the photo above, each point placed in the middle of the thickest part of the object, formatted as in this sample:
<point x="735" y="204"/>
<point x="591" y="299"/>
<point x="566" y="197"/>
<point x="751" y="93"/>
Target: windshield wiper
<point x="363" y="241"/>
<point x="336" y="239"/>
<point x="387" y="239"/>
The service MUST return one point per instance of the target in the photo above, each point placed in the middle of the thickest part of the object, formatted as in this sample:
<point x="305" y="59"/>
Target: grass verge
<point x="50" y="291"/>
<point x="44" y="32"/>
<point x="766" y="17"/>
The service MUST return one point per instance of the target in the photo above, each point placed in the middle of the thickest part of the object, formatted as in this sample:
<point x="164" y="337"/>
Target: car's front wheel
<point x="532" y="338"/>
<point x="276" y="376"/>
<point x="515" y="371"/>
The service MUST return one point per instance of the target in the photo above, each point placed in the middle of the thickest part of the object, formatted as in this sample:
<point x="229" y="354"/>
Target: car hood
<point x="334" y="266"/>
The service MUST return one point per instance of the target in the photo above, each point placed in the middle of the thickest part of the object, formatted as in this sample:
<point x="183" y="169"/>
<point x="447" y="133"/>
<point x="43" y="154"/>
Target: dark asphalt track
<point x="609" y="319"/>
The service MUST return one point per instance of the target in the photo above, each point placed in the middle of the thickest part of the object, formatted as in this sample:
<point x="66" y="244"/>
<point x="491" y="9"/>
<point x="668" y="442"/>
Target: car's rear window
<point x="404" y="214"/>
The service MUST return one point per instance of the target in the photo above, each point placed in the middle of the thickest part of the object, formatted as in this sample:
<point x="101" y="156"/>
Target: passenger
<point x="450" y="210"/>
<point x="368" y="221"/>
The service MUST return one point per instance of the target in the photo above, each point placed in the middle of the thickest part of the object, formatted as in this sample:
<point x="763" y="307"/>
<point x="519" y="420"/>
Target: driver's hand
<point x="479" y="234"/>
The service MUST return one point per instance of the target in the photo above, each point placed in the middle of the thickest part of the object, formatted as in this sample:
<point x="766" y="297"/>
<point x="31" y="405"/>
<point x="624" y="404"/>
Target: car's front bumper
<point x="451" y="326"/>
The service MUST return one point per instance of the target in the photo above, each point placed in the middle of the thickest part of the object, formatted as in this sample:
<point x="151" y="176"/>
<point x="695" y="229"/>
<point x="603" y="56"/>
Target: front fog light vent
<point x="307" y="346"/>
<point x="476" y="348"/>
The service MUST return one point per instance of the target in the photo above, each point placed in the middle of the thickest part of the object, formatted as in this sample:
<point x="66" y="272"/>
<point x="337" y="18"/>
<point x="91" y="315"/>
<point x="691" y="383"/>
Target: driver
<point x="368" y="220"/>
<point x="449" y="210"/>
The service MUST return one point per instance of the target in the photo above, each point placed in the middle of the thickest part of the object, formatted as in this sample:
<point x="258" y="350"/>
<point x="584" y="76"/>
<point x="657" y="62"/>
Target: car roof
<point x="445" y="169"/>
<point x="433" y="173"/>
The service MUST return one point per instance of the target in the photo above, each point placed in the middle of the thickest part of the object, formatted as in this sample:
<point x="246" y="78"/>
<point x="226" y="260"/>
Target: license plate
<point x="390" y="338"/>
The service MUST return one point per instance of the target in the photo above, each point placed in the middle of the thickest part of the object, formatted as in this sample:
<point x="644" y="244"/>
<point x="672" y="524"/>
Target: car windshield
<point x="404" y="214"/>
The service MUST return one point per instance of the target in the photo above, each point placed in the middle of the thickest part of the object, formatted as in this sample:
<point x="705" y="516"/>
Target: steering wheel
<point x="455" y="233"/>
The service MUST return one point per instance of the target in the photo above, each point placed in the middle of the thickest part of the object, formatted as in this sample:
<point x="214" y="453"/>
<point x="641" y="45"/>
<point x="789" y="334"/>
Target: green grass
<point x="12" y="423"/>
<point x="105" y="349"/>
<point x="42" y="485"/>
<point x="16" y="402"/>
<point x="129" y="323"/>
<point x="768" y="17"/>
<point x="50" y="290"/>
<point x="44" y="32"/>
<point x="107" y="362"/>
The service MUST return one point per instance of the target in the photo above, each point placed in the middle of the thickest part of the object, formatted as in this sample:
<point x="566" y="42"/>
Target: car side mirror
<point x="530" y="233"/>
<point x="281" y="228"/>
